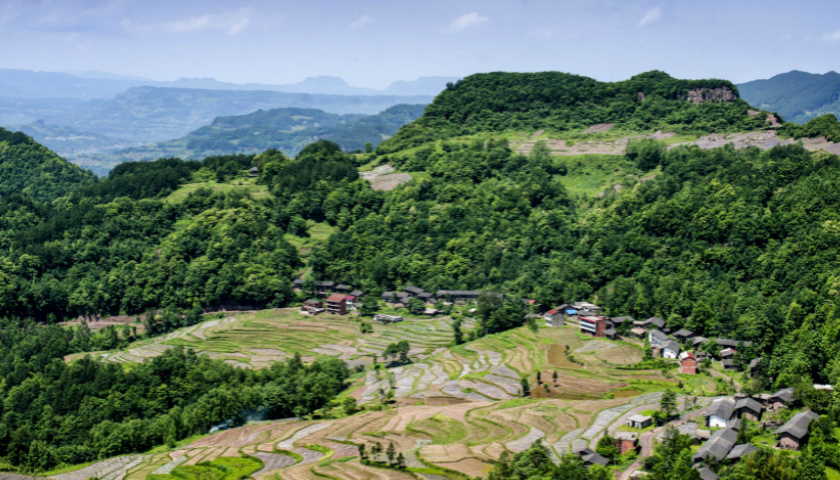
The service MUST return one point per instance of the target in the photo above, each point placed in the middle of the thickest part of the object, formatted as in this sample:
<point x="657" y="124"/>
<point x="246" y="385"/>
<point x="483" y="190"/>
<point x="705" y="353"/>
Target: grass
<point x="832" y="474"/>
<point x="318" y="233"/>
<point x="247" y="184"/>
<point x="222" y="468"/>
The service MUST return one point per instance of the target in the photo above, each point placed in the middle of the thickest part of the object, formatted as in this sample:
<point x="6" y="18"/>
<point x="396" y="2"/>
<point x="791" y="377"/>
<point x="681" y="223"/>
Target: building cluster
<point x="332" y="298"/>
<point x="667" y="345"/>
<point x="726" y="415"/>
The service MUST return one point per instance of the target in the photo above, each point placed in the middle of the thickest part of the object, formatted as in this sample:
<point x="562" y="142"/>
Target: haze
<point x="372" y="43"/>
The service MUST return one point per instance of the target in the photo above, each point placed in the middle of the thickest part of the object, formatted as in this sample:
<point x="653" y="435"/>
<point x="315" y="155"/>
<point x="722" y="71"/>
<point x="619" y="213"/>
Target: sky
<point x="371" y="43"/>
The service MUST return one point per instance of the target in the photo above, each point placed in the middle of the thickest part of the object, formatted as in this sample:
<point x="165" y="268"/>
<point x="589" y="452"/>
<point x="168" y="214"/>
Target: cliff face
<point x="702" y="95"/>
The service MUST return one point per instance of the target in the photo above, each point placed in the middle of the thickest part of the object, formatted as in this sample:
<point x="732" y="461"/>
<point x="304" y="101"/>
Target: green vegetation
<point x="825" y="126"/>
<point x="499" y="102"/>
<point x="535" y="464"/>
<point x="29" y="169"/>
<point x="222" y="468"/>
<point x="797" y="96"/>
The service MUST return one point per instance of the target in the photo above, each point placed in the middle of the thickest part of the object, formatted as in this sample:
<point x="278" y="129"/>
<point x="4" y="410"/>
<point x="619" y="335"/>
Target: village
<point x="716" y="437"/>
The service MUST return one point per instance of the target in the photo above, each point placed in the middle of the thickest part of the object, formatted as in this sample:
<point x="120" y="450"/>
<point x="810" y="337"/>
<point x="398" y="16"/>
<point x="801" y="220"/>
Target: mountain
<point x="30" y="169"/>
<point x="285" y="129"/>
<point x="150" y="114"/>
<point x="797" y="96"/>
<point x="555" y="101"/>
<point x="92" y="85"/>
<point x="68" y="141"/>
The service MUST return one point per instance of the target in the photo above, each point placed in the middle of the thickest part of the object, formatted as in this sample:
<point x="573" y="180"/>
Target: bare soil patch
<point x="557" y="357"/>
<point x="599" y="127"/>
<point x="389" y="182"/>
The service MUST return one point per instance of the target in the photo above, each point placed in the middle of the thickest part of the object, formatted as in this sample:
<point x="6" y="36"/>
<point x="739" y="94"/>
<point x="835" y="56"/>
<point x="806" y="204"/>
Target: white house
<point x="671" y="349"/>
<point x="719" y="412"/>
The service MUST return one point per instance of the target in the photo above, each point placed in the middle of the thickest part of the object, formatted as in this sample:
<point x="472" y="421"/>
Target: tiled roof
<point x="741" y="451"/>
<point x="797" y="426"/>
<point x="750" y="403"/>
<point x="723" y="408"/>
<point x="719" y="445"/>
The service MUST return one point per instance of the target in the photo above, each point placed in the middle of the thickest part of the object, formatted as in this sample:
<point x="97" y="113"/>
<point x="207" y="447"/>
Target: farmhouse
<point x="794" y="433"/>
<point x="706" y="474"/>
<point x="590" y="457"/>
<point x="688" y="363"/>
<point x="459" y="295"/>
<point x="313" y="306"/>
<point x="413" y="291"/>
<point x="682" y="335"/>
<point x="782" y="398"/>
<point x="554" y="318"/>
<point x="324" y="288"/>
<point x="639" y="421"/>
<point x="657" y="338"/>
<point x="754" y="363"/>
<point x="626" y="441"/>
<point x="719" y="412"/>
<point x="342" y="288"/>
<point x="595" y="326"/>
<point x="336" y="304"/>
<point x="718" y="446"/>
<point x="671" y="349"/>
<point x="383" y="318"/>
<point x="727" y="353"/>
<point x="620" y="320"/>
<point x="748" y="408"/>
<point x="740" y="451"/>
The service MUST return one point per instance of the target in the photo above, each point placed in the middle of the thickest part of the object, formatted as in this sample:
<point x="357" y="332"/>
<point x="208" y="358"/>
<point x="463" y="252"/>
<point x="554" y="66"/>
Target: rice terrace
<point x="450" y="411"/>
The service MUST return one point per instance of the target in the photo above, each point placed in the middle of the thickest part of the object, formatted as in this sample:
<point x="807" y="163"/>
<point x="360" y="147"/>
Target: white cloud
<point x="227" y="22"/>
<point x="466" y="21"/>
<point x="362" y="22"/>
<point x="651" y="16"/>
<point x="832" y="37"/>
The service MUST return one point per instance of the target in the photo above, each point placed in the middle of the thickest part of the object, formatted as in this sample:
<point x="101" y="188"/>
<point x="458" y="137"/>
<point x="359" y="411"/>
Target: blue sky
<point x="374" y="42"/>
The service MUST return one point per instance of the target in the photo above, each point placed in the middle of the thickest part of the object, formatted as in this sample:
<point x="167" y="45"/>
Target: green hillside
<point x="554" y="101"/>
<point x="30" y="169"/>
<point x="797" y="96"/>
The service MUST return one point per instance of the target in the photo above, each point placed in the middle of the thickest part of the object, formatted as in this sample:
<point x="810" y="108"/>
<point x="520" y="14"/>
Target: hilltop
<point x="797" y="96"/>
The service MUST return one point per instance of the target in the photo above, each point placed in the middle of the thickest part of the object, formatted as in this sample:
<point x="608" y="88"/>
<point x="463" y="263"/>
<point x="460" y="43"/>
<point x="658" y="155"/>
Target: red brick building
<point x="337" y="304"/>
<point x="592" y="325"/>
<point x="688" y="363"/>
<point x="626" y="441"/>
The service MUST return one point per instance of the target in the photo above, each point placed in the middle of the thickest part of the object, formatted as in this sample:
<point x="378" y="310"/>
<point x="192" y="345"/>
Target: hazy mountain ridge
<point x="797" y="96"/>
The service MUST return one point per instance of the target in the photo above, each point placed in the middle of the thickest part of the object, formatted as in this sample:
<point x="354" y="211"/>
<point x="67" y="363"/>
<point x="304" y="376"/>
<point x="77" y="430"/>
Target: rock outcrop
<point x="702" y="95"/>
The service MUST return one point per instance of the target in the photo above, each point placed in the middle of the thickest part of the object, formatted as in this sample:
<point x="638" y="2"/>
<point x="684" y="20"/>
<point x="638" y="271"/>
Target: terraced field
<point x="457" y="408"/>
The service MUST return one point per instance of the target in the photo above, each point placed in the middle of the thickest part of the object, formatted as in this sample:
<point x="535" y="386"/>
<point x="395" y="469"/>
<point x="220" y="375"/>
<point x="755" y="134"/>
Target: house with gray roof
<point x="718" y="446"/>
<point x="794" y="434"/>
<point x="622" y="319"/>
<point x="683" y="335"/>
<point x="720" y="412"/>
<point x="706" y="474"/>
<point x="670" y="349"/>
<point x="782" y="398"/>
<point x="748" y="408"/>
<point x="657" y="338"/>
<point x="726" y="342"/>
<point x="740" y="451"/>
<point x="590" y="457"/>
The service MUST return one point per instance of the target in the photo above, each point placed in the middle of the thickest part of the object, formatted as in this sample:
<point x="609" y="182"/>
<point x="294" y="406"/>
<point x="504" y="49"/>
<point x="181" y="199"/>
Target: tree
<point x="401" y="461"/>
<point x="668" y="404"/>
<point x="362" y="452"/>
<point x="812" y="467"/>
<point x="377" y="449"/>
<point x="391" y="453"/>
<point x="368" y="147"/>
<point x="369" y="305"/>
<point x="526" y="387"/>
<point x="457" y="335"/>
<point x="607" y="447"/>
<point x="416" y="306"/>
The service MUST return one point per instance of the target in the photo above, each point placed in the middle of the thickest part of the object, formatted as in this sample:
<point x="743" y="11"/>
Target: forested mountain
<point x="554" y="101"/>
<point x="285" y="129"/>
<point x="32" y="170"/>
<point x="797" y="96"/>
<point x="67" y="141"/>
<point x="725" y="242"/>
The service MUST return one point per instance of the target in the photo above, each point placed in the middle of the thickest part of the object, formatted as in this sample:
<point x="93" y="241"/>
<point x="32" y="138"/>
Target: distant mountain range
<point x="285" y="129"/>
<point x="797" y="96"/>
<point x="92" y="85"/>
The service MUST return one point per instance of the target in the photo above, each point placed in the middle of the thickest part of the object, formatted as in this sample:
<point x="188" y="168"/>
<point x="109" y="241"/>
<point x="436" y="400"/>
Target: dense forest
<point x="554" y="101"/>
<point x="30" y="169"/>
<point x="53" y="413"/>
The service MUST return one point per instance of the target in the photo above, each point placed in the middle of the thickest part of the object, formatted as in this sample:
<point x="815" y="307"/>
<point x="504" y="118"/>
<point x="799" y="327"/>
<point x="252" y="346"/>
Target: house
<point x="587" y="306"/>
<point x="297" y="284"/>
<point x="655" y="322"/>
<point x="336" y="304"/>
<point x="388" y="297"/>
<point x="725" y="342"/>
<point x="254" y="172"/>
<point x="657" y="338"/>
<point x="706" y="474"/>
<point x="638" y="332"/>
<point x="626" y="441"/>
<point x="682" y="335"/>
<point x="719" y="412"/>
<point x="342" y="288"/>
<point x="688" y="363"/>
<point x="458" y="295"/>
<point x="728" y="364"/>
<point x="718" y="446"/>
<point x="748" y="408"/>
<point x="590" y="457"/>
<point x="357" y="293"/>
<point x="782" y="398"/>
<point x="553" y="316"/>
<point x="794" y="434"/>
<point x="727" y="353"/>
<point x="639" y="421"/>
<point x="413" y="291"/>
<point x="426" y="297"/>
<point x="823" y="388"/>
<point x="324" y="288"/>
<point x="595" y="326"/>
<point x="740" y="451"/>
<point x="383" y="318"/>
<point x="621" y="320"/>
<point x="313" y="306"/>
<point x="698" y="341"/>
<point x="671" y="349"/>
